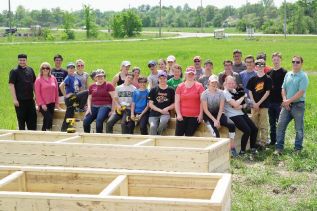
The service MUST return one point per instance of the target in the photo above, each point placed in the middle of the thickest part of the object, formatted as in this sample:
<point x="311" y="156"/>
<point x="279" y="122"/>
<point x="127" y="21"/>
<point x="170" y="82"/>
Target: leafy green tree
<point x="126" y="23"/>
<point x="91" y="28"/>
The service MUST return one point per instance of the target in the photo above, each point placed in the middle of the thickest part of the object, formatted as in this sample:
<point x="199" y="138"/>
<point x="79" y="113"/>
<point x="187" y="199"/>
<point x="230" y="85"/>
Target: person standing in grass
<point x="161" y="102"/>
<point x="238" y="64"/>
<point x="101" y="95"/>
<point x="176" y="80"/>
<point x="189" y="111"/>
<point x="46" y="95"/>
<point x="213" y="101"/>
<point x="136" y="75"/>
<point x="153" y="77"/>
<point x="259" y="88"/>
<point x="248" y="73"/>
<point x="81" y="74"/>
<point x="171" y="60"/>
<point x="59" y="73"/>
<point x="228" y="64"/>
<point x="233" y="110"/>
<point x="277" y="75"/>
<point x="119" y="78"/>
<point x="208" y="72"/>
<point x="198" y="67"/>
<point x="140" y="106"/>
<point x="70" y="86"/>
<point x="21" y="84"/>
<point x="262" y="55"/>
<point x="293" y="106"/>
<point x="122" y="103"/>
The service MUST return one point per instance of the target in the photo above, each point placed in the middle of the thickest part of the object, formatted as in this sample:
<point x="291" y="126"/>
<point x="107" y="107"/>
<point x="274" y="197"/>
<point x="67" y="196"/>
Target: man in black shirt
<point x="277" y="74"/>
<point x="59" y="73"/>
<point x="21" y="83"/>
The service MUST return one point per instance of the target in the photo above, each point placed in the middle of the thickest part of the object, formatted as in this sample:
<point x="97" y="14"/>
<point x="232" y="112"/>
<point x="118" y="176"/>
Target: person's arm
<point x="38" y="95"/>
<point x="145" y="109"/>
<point x="62" y="88"/>
<point x="265" y="96"/>
<point x="56" y="94"/>
<point x="115" y="80"/>
<point x="177" y="108"/>
<point x="154" y="108"/>
<point x="132" y="109"/>
<point x="207" y="112"/>
<point x="88" y="105"/>
<point x="255" y="104"/>
<point x="221" y="109"/>
<point x="13" y="94"/>
<point x="86" y="82"/>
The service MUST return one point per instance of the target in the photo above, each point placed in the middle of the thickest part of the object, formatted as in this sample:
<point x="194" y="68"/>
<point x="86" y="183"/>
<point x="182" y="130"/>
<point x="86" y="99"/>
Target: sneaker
<point x="234" y="152"/>
<point x="278" y="152"/>
<point x="241" y="153"/>
<point x="254" y="151"/>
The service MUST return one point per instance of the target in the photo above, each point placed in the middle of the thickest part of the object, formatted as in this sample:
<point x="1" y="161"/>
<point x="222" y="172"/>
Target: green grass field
<point x="267" y="183"/>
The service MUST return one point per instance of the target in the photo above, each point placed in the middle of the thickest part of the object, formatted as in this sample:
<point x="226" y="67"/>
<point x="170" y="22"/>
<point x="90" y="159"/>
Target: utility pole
<point x="285" y="19"/>
<point x="201" y="15"/>
<point x="10" y="26"/>
<point x="160" y="24"/>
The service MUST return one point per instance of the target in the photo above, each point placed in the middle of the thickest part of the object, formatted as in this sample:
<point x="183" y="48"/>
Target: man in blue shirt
<point x="293" y="93"/>
<point x="247" y="74"/>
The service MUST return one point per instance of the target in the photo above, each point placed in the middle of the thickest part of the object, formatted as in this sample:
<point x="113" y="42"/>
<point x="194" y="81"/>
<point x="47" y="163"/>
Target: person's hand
<point x="256" y="106"/>
<point x="16" y="103"/>
<point x="200" y="118"/>
<point x="286" y="104"/>
<point x="88" y="111"/>
<point x="217" y="124"/>
<point x="110" y="113"/>
<point x="44" y="107"/>
<point x="179" y="117"/>
<point x="165" y="111"/>
<point x="57" y="106"/>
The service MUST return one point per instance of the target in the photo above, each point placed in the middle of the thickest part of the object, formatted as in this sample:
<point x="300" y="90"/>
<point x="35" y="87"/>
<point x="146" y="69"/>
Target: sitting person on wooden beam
<point x="99" y="102"/>
<point x="188" y="107"/>
<point x="122" y="104"/>
<point x="161" y="102"/>
<point x="213" y="101"/>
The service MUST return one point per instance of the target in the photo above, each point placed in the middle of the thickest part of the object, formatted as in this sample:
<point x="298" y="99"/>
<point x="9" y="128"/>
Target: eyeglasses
<point x="296" y="62"/>
<point x="260" y="64"/>
<point x="46" y="68"/>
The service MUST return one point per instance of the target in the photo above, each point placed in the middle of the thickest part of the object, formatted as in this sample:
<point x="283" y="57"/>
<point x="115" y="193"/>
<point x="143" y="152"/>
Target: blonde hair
<point x="228" y="78"/>
<point x="41" y="68"/>
<point x="80" y="61"/>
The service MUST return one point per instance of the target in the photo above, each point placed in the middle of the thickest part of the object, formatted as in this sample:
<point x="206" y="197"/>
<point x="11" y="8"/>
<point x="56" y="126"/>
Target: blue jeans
<point x="296" y="113"/>
<point x="274" y="113"/>
<point x="99" y="114"/>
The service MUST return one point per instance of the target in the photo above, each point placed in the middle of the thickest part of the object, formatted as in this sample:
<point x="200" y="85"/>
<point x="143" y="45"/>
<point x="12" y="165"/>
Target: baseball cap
<point x="171" y="58"/>
<point x="126" y="63"/>
<point x="213" y="78"/>
<point x="190" y="69"/>
<point x="197" y="58"/>
<point x="99" y="72"/>
<point x="71" y="64"/>
<point x="208" y="61"/>
<point x="151" y="63"/>
<point x="162" y="73"/>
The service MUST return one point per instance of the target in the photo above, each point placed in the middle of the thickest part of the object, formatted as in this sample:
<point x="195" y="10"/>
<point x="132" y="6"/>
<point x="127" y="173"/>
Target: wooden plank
<point x="10" y="178"/>
<point x="222" y="190"/>
<point x="74" y="139"/>
<point x="7" y="136"/>
<point x="146" y="142"/>
<point x="119" y="183"/>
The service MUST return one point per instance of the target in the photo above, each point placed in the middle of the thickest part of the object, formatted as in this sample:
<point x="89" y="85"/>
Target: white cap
<point x="171" y="58"/>
<point x="126" y="63"/>
<point x="213" y="78"/>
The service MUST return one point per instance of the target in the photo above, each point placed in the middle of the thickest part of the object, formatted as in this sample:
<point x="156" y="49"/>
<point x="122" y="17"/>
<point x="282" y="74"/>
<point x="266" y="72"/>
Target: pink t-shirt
<point x="190" y="99"/>
<point x="46" y="90"/>
<point x="100" y="94"/>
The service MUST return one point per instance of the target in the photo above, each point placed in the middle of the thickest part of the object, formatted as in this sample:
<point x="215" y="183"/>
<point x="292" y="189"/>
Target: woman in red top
<point x="188" y="107"/>
<point x="99" y="102"/>
<point x="46" y="94"/>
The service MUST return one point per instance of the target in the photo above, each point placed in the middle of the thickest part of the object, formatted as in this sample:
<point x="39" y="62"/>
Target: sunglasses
<point x="80" y="65"/>
<point x="197" y="61"/>
<point x="142" y="82"/>
<point x="260" y="64"/>
<point x="296" y="62"/>
<point x="46" y="68"/>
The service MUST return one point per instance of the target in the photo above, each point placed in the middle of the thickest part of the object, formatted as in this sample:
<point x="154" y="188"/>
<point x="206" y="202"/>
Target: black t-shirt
<point x="277" y="77"/>
<point x="161" y="98"/>
<point x="258" y="86"/>
<point x="60" y="75"/>
<point x="23" y="80"/>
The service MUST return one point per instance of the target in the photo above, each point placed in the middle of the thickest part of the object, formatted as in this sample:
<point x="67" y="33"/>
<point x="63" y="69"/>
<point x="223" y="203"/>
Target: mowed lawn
<point x="288" y="182"/>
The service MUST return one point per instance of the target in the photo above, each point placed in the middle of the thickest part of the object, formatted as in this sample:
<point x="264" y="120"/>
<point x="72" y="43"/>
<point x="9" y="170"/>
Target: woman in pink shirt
<point x="188" y="107"/>
<point x="46" y="94"/>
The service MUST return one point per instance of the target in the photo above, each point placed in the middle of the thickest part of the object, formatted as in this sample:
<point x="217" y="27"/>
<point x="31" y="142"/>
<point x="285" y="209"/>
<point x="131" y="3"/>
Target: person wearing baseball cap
<point x="189" y="112"/>
<point x="153" y="77"/>
<point x="119" y="78"/>
<point x="99" y="102"/>
<point x="207" y="73"/>
<point x="213" y="101"/>
<point x="161" y="102"/>
<point x="171" y="60"/>
<point x="198" y="67"/>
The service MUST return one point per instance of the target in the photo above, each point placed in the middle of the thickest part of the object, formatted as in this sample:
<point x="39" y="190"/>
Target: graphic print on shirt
<point x="162" y="97"/>
<point x="259" y="86"/>
<point x="76" y="86"/>
<point x="124" y="94"/>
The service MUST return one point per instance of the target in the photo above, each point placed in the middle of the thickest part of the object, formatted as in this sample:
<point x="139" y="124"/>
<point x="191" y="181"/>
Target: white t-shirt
<point x="125" y="94"/>
<point x="229" y="110"/>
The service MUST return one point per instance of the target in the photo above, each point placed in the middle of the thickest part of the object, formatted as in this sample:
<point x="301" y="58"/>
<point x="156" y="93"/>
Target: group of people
<point x="247" y="95"/>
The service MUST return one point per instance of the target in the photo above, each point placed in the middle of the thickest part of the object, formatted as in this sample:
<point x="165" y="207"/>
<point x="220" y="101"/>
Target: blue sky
<point x="118" y="5"/>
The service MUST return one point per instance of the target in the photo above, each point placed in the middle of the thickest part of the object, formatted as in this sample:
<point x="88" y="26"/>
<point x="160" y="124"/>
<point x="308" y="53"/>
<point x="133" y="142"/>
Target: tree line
<point x="262" y="16"/>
